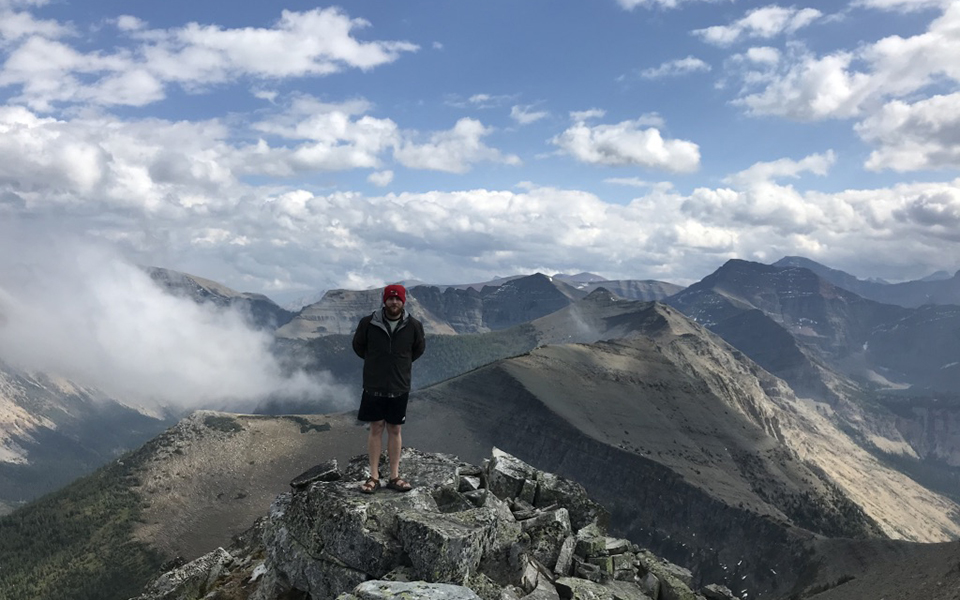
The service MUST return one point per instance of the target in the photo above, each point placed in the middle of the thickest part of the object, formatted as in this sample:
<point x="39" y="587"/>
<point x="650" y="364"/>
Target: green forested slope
<point x="76" y="543"/>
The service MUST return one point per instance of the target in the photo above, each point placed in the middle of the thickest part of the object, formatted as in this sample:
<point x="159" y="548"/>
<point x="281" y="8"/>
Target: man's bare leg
<point x="374" y="446"/>
<point x="393" y="449"/>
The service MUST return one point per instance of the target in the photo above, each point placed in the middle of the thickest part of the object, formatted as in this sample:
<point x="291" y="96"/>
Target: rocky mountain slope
<point x="891" y="374"/>
<point x="599" y="315"/>
<point x="261" y="311"/>
<point x="53" y="430"/>
<point x="447" y="311"/>
<point x="929" y="290"/>
<point x="881" y="345"/>
<point x="647" y="290"/>
<point x="728" y="446"/>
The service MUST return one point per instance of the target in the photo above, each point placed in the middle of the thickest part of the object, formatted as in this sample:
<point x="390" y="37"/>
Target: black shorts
<point x="381" y="408"/>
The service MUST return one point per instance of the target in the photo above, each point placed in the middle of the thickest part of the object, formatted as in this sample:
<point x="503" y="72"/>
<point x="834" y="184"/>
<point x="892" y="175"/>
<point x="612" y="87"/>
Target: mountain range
<point x="937" y="288"/>
<point x="759" y="426"/>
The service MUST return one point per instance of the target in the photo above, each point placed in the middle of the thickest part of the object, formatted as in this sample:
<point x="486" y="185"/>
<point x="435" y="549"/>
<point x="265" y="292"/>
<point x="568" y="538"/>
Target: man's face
<point x="393" y="307"/>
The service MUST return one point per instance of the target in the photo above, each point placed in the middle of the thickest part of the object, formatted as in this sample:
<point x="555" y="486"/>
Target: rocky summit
<point x="503" y="530"/>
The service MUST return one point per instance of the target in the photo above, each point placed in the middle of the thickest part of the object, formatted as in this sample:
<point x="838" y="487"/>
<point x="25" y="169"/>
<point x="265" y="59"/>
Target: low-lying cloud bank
<point x="78" y="310"/>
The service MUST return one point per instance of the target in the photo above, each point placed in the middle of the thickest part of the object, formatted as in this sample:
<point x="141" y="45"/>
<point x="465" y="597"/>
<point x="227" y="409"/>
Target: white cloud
<point x="848" y="84"/>
<point x="312" y="43"/>
<point x="673" y="68"/>
<point x="488" y="100"/>
<point x="336" y="139"/>
<point x="810" y="89"/>
<point x="130" y="23"/>
<point x="632" y="4"/>
<point x="586" y="115"/>
<point x="629" y="181"/>
<point x="77" y="310"/>
<point x="380" y="178"/>
<point x="763" y="55"/>
<point x="762" y="172"/>
<point x="268" y="95"/>
<point x="453" y="151"/>
<point x="157" y="166"/>
<point x="628" y="143"/>
<point x="168" y="193"/>
<point x="901" y="5"/>
<point x="524" y="114"/>
<point x="765" y="23"/>
<point x="922" y="135"/>
<point x="16" y="25"/>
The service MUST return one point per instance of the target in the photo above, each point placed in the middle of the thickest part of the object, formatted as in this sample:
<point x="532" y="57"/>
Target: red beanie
<point x="395" y="290"/>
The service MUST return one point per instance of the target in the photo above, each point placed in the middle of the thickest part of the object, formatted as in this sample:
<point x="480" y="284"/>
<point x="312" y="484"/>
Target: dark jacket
<point x="387" y="358"/>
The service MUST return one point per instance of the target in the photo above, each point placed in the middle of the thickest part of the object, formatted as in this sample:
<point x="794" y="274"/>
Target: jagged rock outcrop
<point x="501" y="531"/>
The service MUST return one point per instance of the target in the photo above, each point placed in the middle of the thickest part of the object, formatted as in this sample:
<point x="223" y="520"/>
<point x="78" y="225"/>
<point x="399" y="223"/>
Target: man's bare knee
<point x="376" y="427"/>
<point x="393" y="430"/>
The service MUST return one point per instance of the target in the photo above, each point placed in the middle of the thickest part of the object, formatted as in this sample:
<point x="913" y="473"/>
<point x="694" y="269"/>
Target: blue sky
<point x="291" y="147"/>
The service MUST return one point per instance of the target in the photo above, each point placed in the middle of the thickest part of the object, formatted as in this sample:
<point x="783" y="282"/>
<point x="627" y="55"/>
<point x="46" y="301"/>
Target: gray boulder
<point x="413" y="590"/>
<point x="190" y="580"/>
<point x="675" y="581"/>
<point x="446" y="547"/>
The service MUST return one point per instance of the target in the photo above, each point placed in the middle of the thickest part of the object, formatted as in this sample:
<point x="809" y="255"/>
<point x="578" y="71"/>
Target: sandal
<point x="370" y="485"/>
<point x="399" y="485"/>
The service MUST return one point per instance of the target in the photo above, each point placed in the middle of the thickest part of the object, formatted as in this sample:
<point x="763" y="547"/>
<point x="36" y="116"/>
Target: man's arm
<point x="419" y="341"/>
<point x="360" y="338"/>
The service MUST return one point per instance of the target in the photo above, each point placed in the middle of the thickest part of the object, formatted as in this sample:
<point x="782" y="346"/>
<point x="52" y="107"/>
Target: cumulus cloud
<point x="130" y="23"/>
<point x="169" y="169"/>
<point x="847" y="84"/>
<point x="453" y="151"/>
<point x="317" y="42"/>
<point x="937" y="212"/>
<point x="16" y="25"/>
<point x="674" y="68"/>
<point x="525" y="114"/>
<point x="922" y="135"/>
<point x="163" y="193"/>
<point x="75" y="309"/>
<point x="628" y="143"/>
<point x="762" y="172"/>
<point x="763" y="55"/>
<point x="765" y="23"/>
<point x="810" y="88"/>
<point x="380" y="178"/>
<point x="327" y="137"/>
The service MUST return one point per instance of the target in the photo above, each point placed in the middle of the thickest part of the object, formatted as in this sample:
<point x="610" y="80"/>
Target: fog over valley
<point x="79" y="310"/>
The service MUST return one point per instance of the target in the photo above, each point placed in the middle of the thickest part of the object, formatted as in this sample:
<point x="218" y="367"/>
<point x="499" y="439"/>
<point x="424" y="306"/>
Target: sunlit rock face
<point x="53" y="430"/>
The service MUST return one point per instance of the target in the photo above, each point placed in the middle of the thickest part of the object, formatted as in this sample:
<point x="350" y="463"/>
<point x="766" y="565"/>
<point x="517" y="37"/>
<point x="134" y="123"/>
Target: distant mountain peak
<point x="599" y="294"/>
<point x="583" y="277"/>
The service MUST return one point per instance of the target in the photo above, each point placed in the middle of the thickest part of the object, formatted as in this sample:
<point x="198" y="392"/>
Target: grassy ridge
<point x="77" y="543"/>
<point x="447" y="356"/>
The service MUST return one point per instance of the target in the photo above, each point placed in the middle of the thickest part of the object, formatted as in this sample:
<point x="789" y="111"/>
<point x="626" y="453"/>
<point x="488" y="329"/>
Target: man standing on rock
<point x="388" y="341"/>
